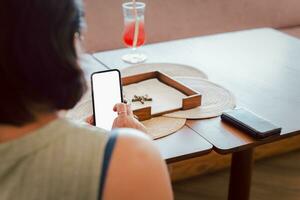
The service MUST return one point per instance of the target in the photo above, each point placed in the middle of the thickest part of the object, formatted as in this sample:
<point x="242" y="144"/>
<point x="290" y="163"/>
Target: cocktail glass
<point x="134" y="31"/>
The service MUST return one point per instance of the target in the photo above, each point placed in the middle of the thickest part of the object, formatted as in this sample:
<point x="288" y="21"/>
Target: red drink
<point x="134" y="33"/>
<point x="128" y="34"/>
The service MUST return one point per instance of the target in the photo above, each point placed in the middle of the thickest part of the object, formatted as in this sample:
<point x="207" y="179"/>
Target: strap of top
<point x="106" y="160"/>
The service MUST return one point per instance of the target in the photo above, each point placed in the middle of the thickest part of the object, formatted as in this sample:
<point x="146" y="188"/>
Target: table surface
<point x="181" y="145"/>
<point x="89" y="65"/>
<point x="260" y="66"/>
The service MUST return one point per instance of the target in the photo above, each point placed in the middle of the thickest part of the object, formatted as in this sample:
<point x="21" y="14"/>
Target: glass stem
<point x="133" y="50"/>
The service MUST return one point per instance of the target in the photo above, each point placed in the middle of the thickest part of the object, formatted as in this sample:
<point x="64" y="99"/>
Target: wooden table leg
<point x="240" y="175"/>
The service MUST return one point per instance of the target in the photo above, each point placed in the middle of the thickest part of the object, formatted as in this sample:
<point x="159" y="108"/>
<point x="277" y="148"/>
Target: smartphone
<point x="106" y="92"/>
<point x="251" y="123"/>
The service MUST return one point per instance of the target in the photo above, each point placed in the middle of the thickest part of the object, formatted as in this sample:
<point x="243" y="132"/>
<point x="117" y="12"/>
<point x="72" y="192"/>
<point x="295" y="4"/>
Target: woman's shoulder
<point x="142" y="164"/>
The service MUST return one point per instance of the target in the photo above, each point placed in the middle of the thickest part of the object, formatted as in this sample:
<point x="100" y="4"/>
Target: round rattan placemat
<point x="83" y="109"/>
<point x="215" y="99"/>
<point x="159" y="127"/>
<point x="168" y="68"/>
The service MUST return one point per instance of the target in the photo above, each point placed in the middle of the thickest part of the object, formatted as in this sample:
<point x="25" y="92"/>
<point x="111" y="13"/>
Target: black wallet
<point x="249" y="122"/>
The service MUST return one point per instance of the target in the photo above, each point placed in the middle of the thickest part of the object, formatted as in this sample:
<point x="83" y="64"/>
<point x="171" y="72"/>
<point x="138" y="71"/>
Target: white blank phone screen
<point x="106" y="93"/>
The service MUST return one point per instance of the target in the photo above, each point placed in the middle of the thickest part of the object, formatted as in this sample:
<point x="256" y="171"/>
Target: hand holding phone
<point x="109" y="111"/>
<point x="126" y="118"/>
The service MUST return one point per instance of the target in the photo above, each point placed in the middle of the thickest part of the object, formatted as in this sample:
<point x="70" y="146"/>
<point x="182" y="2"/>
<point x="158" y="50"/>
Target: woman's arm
<point x="136" y="170"/>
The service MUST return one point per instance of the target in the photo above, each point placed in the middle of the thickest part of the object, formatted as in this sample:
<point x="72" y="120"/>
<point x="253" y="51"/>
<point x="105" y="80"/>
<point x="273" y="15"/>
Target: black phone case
<point x="238" y="120"/>
<point x="92" y="88"/>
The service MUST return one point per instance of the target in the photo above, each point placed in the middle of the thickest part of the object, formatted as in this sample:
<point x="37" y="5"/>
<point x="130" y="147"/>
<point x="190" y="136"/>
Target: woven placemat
<point x="159" y="127"/>
<point x="167" y="68"/>
<point x="215" y="99"/>
<point x="83" y="109"/>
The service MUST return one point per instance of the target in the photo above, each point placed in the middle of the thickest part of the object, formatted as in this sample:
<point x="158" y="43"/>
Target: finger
<point x="90" y="119"/>
<point x="121" y="109"/>
<point x="117" y="106"/>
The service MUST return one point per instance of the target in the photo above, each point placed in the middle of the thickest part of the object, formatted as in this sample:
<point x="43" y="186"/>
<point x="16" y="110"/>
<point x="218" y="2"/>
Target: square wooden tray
<point x="192" y="99"/>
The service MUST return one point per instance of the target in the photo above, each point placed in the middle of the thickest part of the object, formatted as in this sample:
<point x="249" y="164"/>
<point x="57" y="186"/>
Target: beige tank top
<point x="62" y="160"/>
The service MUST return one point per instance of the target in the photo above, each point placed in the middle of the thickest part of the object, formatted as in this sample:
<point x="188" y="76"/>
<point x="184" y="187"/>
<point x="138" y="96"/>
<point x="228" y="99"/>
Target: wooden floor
<point x="274" y="178"/>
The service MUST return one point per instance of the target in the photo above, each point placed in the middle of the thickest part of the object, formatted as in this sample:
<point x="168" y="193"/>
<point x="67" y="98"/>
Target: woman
<point x="43" y="155"/>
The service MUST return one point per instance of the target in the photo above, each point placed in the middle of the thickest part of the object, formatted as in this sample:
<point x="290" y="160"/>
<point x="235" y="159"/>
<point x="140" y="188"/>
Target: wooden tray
<point x="192" y="99"/>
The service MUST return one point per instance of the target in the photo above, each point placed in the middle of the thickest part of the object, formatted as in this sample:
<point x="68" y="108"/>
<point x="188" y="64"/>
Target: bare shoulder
<point x="136" y="142"/>
<point x="136" y="169"/>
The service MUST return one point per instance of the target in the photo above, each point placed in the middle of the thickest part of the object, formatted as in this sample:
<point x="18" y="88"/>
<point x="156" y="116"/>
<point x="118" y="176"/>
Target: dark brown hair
<point x="38" y="60"/>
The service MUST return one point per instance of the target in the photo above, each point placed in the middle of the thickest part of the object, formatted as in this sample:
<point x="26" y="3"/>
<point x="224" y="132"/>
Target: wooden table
<point x="261" y="67"/>
<point x="181" y="145"/>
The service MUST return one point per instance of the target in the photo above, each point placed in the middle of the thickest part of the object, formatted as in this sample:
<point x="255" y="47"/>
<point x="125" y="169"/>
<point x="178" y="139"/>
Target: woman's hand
<point x="90" y="120"/>
<point x="126" y="118"/>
